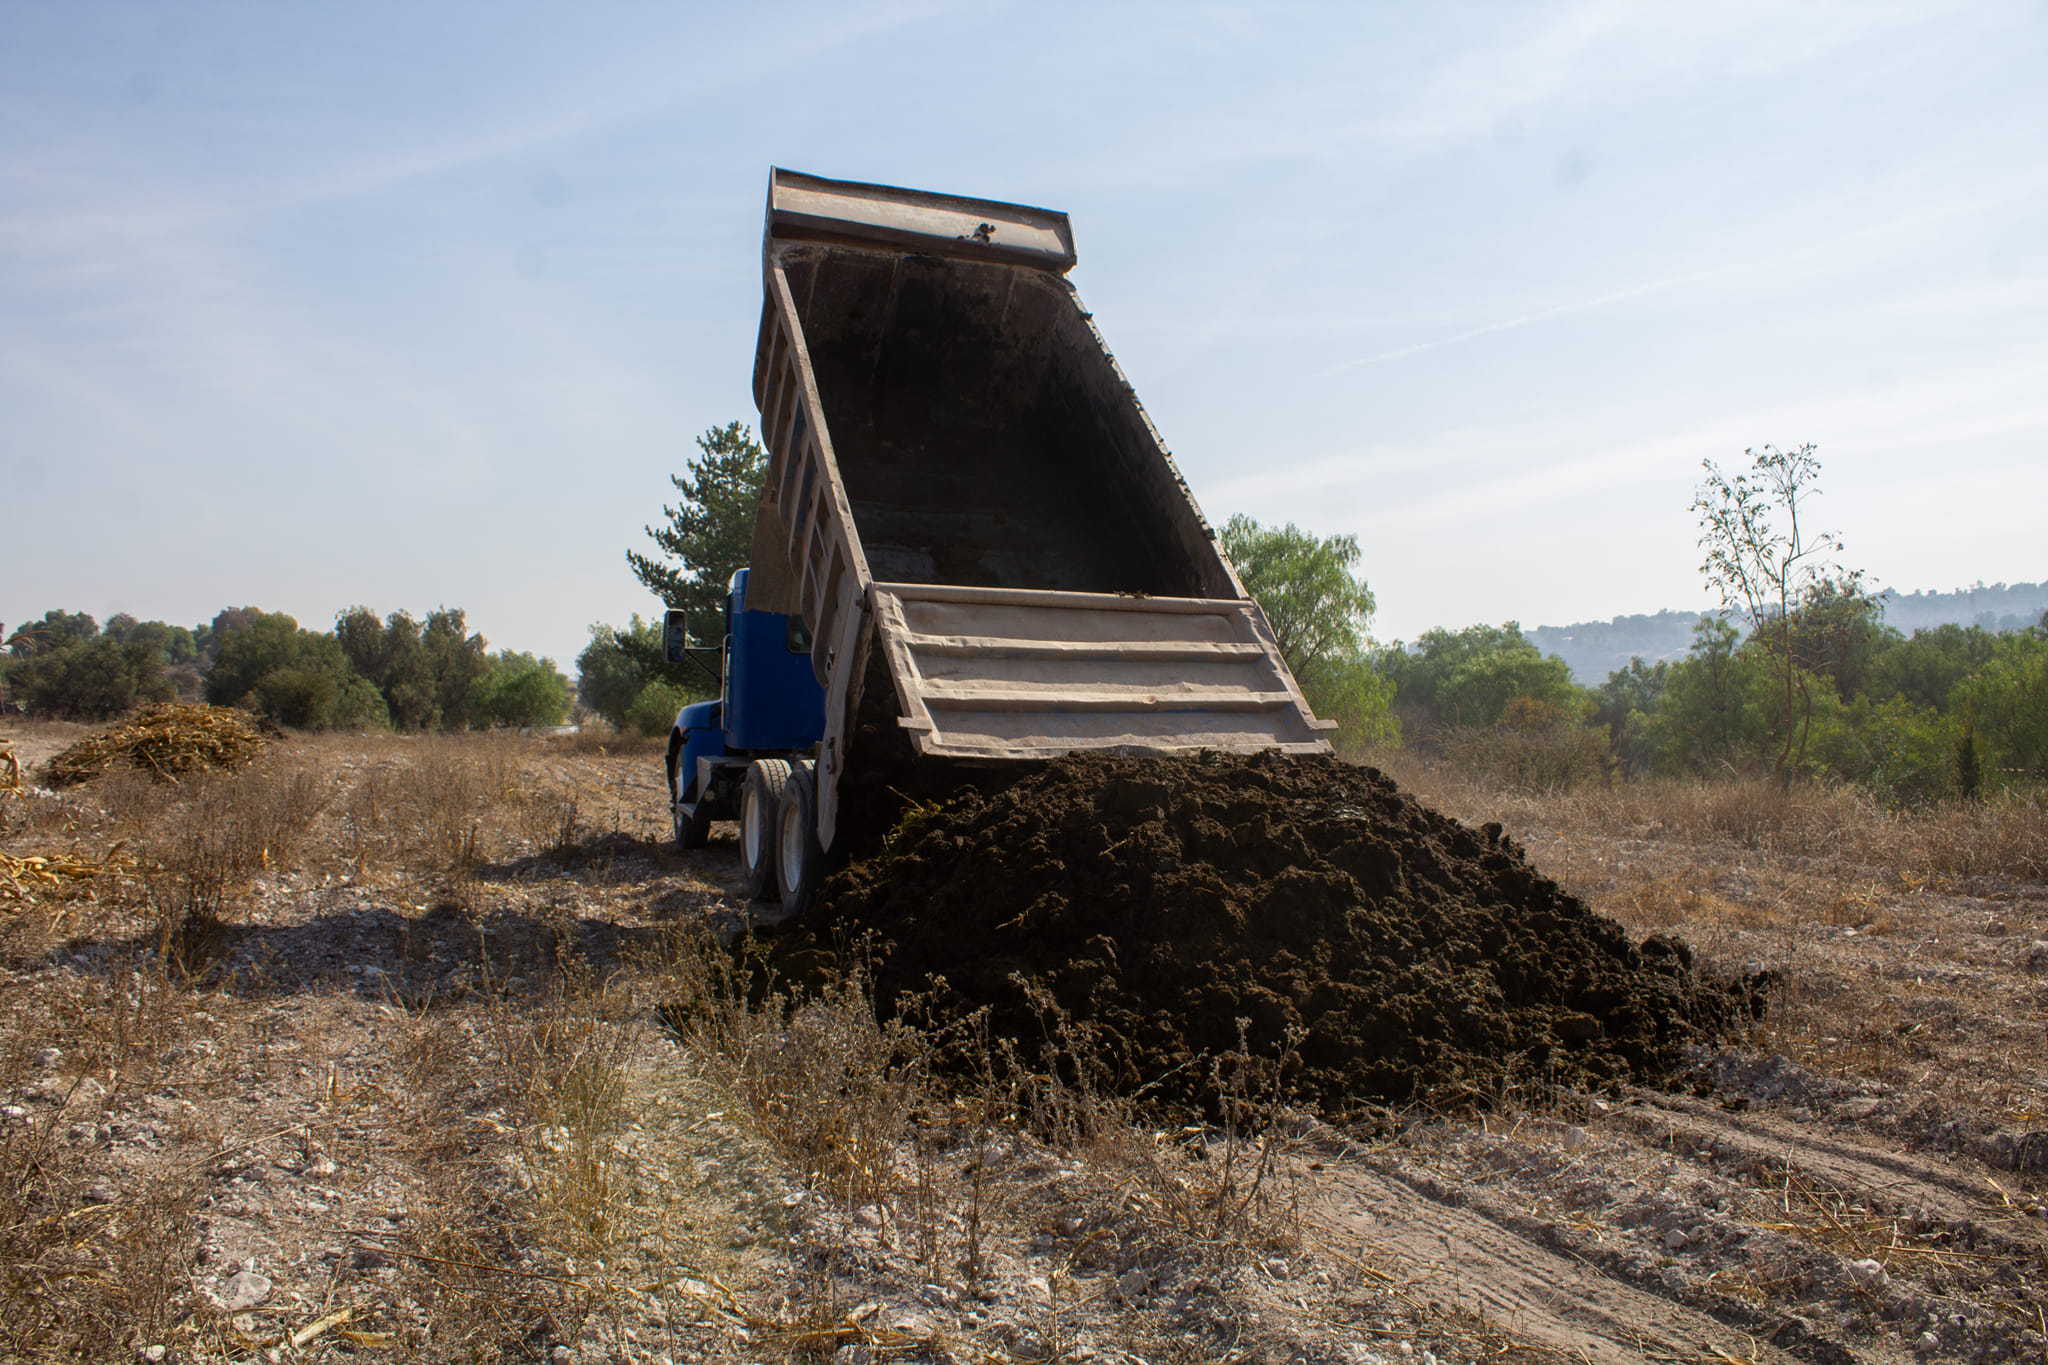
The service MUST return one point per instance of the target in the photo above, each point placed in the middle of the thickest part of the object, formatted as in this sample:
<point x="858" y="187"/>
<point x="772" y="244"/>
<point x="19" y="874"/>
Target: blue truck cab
<point x="770" y="707"/>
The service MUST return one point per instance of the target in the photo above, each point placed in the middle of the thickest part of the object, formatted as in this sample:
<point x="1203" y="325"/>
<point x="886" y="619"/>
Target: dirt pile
<point x="165" y="741"/>
<point x="1158" y="901"/>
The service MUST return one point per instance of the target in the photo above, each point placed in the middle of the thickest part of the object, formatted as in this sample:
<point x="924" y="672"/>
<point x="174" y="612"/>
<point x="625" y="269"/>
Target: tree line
<point x="392" y="672"/>
<point x="1797" y="675"/>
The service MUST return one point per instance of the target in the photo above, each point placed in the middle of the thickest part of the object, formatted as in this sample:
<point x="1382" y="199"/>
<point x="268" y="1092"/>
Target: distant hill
<point x="1593" y="649"/>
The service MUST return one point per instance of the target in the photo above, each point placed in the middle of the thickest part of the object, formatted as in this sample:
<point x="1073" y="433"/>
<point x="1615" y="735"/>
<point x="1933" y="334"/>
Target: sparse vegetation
<point x="444" y="1020"/>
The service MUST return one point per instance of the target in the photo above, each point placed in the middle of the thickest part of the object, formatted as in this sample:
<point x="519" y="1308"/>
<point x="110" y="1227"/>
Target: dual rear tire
<point x="779" y="854"/>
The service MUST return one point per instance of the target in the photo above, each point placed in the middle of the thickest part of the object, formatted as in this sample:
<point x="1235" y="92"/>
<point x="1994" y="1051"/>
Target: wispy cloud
<point x="1527" y="319"/>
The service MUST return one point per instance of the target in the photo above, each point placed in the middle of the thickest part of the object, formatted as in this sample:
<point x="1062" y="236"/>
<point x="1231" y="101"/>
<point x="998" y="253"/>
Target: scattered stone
<point x="1862" y="1107"/>
<point x="868" y="1216"/>
<point x="245" y="1289"/>
<point x="48" y="1059"/>
<point x="1133" y="1285"/>
<point x="1868" y="1274"/>
<point x="1574" y="1138"/>
<point x="1675" y="1238"/>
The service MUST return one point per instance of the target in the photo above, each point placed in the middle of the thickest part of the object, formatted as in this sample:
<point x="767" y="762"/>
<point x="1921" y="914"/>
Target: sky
<point x="310" y="306"/>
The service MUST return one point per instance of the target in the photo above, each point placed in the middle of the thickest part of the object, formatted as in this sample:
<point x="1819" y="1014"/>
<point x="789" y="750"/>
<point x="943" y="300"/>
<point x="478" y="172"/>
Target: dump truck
<point x="971" y="547"/>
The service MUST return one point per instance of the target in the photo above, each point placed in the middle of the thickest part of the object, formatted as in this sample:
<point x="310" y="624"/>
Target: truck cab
<point x="769" y="706"/>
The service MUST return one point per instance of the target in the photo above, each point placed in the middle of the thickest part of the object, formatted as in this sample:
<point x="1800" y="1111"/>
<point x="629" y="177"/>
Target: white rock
<point x="868" y="1216"/>
<point x="245" y="1289"/>
<point x="48" y="1058"/>
<point x="89" y="1091"/>
<point x="1574" y="1138"/>
<point x="1277" y="1267"/>
<point x="1868" y="1274"/>
<point x="1862" y="1107"/>
<point x="152" y="1355"/>
<point x="1599" y="1109"/>
<point x="1133" y="1285"/>
<point x="1675" y="1238"/>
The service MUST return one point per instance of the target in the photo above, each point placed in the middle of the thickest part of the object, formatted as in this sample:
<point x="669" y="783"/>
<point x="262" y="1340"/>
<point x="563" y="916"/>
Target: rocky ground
<point x="415" y="1049"/>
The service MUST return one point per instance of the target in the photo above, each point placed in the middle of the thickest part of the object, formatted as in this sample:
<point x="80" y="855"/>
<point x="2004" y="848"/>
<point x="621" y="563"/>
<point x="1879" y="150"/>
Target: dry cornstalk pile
<point x="56" y="876"/>
<point x="164" y="741"/>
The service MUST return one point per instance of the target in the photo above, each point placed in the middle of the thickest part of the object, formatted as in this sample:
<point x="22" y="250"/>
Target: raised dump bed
<point x="963" y="485"/>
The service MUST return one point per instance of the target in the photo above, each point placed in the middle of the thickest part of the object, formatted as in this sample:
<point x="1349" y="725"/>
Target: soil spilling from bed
<point x="1153" y="903"/>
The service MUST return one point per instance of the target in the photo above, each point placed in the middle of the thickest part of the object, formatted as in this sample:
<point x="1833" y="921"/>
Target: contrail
<point x="1511" y="323"/>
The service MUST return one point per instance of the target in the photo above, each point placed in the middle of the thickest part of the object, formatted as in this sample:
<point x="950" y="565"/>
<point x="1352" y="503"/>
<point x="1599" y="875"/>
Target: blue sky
<point x="303" y="306"/>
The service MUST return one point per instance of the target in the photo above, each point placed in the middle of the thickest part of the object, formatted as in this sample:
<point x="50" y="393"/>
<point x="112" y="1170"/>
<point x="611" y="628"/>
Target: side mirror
<point x="675" y="637"/>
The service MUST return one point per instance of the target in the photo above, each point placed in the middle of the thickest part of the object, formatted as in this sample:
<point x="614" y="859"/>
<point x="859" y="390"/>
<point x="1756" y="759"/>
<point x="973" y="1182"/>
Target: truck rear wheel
<point x="799" y="862"/>
<point x="760" y="803"/>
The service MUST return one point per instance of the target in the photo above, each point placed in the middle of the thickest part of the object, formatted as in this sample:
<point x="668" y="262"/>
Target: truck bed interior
<point x="984" y="437"/>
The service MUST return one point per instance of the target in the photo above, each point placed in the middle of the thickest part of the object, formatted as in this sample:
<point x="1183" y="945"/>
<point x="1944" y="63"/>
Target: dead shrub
<point x="1535" y="758"/>
<point x="828" y="1084"/>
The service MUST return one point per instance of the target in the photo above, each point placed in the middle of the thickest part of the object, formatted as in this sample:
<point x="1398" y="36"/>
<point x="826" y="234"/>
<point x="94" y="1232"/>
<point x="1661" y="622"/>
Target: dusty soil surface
<point x="408" y="1097"/>
<point x="1390" y="955"/>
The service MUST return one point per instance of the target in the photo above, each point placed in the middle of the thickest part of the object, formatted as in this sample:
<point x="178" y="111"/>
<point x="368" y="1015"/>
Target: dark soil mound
<point x="1158" y="901"/>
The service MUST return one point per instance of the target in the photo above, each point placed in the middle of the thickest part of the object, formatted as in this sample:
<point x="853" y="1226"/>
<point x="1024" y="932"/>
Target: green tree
<point x="425" y="670"/>
<point x="209" y="638"/>
<point x="1763" y="563"/>
<point x="621" y="663"/>
<point x="1927" y="668"/>
<point x="2008" y="702"/>
<point x="1319" y="611"/>
<point x="1624" y="704"/>
<point x="1467" y="677"/>
<point x="57" y="629"/>
<point x="93" y="679"/>
<point x="519" y="690"/>
<point x="710" y="531"/>
<point x="65" y="665"/>
<point x="297" y="677"/>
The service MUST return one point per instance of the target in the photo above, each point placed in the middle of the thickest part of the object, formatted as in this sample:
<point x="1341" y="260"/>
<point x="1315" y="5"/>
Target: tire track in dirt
<point x="1453" y="1247"/>
<point x="1957" y="1191"/>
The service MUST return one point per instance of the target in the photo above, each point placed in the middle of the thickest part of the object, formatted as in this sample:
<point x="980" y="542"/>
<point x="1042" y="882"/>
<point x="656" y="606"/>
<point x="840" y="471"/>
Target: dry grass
<point x="1844" y="826"/>
<point x="587" y="1139"/>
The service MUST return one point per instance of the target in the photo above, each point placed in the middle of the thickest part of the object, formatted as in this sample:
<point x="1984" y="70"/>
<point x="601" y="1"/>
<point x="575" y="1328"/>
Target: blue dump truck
<point x="971" y="548"/>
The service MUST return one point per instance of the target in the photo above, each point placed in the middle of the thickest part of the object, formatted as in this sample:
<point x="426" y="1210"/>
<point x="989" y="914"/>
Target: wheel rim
<point x="750" y="829"/>
<point x="792" y="848"/>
